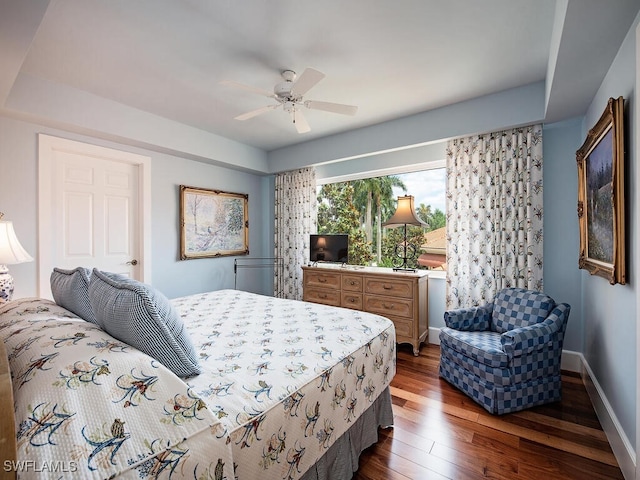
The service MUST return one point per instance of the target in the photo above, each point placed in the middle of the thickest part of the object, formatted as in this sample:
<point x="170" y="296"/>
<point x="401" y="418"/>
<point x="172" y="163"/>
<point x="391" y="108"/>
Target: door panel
<point x="92" y="209"/>
<point x="100" y="206"/>
<point x="78" y="225"/>
<point x="117" y="220"/>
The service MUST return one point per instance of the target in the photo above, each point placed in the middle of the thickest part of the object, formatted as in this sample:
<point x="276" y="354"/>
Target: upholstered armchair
<point x="506" y="354"/>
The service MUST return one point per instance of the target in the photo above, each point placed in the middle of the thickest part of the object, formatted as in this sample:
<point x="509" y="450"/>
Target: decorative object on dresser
<point x="399" y="296"/>
<point x="329" y="248"/>
<point x="11" y="253"/>
<point x="405" y="215"/>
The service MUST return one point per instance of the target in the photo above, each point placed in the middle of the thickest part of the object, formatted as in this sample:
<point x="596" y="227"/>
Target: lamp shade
<point x="11" y="252"/>
<point x="405" y="214"/>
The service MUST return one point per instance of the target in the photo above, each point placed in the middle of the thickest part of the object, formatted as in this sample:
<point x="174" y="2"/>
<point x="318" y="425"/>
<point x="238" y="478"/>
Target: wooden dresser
<point x="399" y="296"/>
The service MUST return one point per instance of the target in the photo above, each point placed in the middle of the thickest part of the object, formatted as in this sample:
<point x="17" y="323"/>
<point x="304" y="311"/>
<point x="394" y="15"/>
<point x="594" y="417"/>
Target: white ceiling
<point x="391" y="59"/>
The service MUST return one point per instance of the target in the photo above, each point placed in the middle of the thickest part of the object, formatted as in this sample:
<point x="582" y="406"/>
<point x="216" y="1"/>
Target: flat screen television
<point x="329" y="248"/>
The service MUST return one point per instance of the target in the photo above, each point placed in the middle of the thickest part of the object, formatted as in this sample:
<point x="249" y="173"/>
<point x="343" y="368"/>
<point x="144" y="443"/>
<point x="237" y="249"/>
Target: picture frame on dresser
<point x="601" y="196"/>
<point x="213" y="223"/>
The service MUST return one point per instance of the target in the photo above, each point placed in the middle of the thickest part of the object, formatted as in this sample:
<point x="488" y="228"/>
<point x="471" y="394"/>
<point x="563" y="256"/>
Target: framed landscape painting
<point x="213" y="223"/>
<point x="601" y="196"/>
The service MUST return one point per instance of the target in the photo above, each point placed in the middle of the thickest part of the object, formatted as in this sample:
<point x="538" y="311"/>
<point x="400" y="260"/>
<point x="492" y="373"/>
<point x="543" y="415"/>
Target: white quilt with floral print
<point x="285" y="378"/>
<point x="89" y="406"/>
<point x="281" y="381"/>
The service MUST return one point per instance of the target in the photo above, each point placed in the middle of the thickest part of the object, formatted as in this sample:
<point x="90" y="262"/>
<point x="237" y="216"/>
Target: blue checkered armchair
<point x="506" y="355"/>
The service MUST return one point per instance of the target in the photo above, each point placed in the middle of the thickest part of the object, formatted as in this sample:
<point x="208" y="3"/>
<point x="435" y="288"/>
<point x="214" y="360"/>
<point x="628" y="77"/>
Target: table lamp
<point x="11" y="253"/>
<point x="405" y="215"/>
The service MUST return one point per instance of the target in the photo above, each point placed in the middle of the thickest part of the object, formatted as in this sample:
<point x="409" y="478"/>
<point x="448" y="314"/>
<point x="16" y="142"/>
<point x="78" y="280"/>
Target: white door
<point x="91" y="209"/>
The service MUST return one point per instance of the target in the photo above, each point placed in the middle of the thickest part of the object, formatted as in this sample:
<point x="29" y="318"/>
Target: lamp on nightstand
<point x="11" y="253"/>
<point x="405" y="215"/>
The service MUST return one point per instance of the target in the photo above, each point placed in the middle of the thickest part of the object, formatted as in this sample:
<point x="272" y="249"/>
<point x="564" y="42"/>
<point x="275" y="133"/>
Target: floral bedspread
<point x="90" y="406"/>
<point x="281" y="381"/>
<point x="285" y="378"/>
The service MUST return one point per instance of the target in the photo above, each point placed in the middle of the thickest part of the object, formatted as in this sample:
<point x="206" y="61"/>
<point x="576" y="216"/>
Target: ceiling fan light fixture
<point x="288" y="75"/>
<point x="283" y="90"/>
<point x="289" y="95"/>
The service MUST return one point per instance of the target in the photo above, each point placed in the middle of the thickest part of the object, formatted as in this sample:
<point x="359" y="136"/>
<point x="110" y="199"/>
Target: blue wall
<point x="561" y="231"/>
<point x="610" y="312"/>
<point x="175" y="277"/>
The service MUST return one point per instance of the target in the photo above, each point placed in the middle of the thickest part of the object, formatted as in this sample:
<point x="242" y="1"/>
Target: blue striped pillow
<point x="70" y="290"/>
<point x="141" y="316"/>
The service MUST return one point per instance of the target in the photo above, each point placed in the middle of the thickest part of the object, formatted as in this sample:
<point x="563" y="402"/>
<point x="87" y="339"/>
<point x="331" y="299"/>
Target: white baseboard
<point x="575" y="362"/>
<point x="572" y="361"/>
<point x="622" y="449"/>
<point x="434" y="335"/>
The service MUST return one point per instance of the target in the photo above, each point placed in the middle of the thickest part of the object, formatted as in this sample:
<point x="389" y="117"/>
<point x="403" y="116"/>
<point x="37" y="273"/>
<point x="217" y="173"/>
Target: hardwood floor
<point x="440" y="433"/>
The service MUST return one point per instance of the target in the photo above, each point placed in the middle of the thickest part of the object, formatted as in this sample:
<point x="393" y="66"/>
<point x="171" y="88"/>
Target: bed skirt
<point x="341" y="459"/>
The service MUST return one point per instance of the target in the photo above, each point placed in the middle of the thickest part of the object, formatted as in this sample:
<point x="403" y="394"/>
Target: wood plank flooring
<point x="440" y="433"/>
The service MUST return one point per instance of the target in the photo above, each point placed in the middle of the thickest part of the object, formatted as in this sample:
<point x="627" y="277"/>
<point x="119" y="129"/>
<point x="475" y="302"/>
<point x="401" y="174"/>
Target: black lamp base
<point x="404" y="253"/>
<point x="403" y="269"/>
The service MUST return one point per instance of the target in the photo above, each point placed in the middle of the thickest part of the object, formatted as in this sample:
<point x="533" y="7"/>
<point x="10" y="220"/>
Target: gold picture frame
<point x="601" y="196"/>
<point x="213" y="223"/>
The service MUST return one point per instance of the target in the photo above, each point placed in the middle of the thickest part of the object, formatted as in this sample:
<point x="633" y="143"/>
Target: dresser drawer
<point x="404" y="328"/>
<point x="320" y="295"/>
<point x="385" y="306"/>
<point x="320" y="279"/>
<point x="351" y="300"/>
<point x="352" y="283"/>
<point x="395" y="287"/>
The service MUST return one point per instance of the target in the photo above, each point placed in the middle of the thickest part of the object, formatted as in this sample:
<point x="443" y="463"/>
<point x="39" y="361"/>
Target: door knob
<point x="133" y="262"/>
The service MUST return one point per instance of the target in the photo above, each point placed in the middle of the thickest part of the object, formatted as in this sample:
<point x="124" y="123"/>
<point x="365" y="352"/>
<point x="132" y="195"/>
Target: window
<point x="360" y="207"/>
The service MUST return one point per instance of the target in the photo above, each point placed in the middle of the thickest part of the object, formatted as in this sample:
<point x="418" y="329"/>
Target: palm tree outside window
<point x="360" y="207"/>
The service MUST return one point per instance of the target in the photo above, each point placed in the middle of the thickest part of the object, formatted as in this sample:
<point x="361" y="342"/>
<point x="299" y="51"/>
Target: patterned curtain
<point x="295" y="220"/>
<point x="494" y="215"/>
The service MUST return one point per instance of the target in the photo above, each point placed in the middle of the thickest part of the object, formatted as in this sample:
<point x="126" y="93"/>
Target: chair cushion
<point x="483" y="347"/>
<point x="143" y="317"/>
<point x="516" y="307"/>
<point x="70" y="290"/>
<point x="487" y="370"/>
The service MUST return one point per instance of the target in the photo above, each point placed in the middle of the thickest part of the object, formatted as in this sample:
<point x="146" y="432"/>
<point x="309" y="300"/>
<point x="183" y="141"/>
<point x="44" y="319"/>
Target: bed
<point x="286" y="390"/>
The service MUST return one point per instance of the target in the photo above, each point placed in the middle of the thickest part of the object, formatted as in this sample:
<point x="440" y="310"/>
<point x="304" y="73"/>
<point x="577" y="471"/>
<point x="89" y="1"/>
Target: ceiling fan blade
<point x="331" y="107"/>
<point x="242" y="86"/>
<point x="309" y="78"/>
<point x="299" y="121"/>
<point x="255" y="113"/>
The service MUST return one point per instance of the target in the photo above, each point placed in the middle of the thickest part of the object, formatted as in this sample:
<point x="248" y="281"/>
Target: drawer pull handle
<point x="387" y="287"/>
<point x="352" y="300"/>
<point x="352" y="282"/>
<point x="389" y="306"/>
<point x="322" y="280"/>
<point x="322" y="295"/>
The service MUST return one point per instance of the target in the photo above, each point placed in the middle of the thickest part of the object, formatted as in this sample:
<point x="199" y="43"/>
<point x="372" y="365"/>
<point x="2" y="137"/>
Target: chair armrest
<point x="524" y="340"/>
<point x="474" y="319"/>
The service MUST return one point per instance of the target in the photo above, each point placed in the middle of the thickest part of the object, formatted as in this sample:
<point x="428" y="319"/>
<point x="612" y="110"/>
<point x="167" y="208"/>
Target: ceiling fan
<point x="289" y="95"/>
